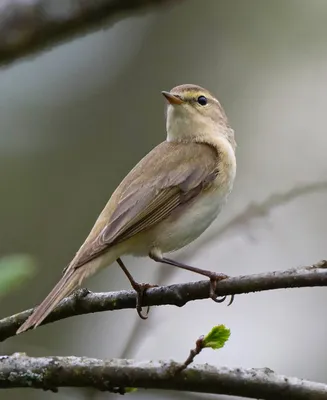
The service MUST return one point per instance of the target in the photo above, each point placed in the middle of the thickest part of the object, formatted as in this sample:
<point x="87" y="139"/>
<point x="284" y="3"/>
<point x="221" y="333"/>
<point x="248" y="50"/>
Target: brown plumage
<point x="158" y="198"/>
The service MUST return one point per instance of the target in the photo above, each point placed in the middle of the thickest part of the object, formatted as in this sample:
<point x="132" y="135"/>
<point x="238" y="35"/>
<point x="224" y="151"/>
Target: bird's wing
<point x="179" y="172"/>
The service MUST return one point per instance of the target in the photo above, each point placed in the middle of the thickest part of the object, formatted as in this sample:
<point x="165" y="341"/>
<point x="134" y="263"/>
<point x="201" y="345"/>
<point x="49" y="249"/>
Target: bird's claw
<point x="214" y="279"/>
<point x="140" y="289"/>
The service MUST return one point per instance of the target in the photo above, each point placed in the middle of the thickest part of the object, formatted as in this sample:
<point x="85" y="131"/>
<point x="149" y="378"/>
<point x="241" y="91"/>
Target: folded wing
<point x="179" y="173"/>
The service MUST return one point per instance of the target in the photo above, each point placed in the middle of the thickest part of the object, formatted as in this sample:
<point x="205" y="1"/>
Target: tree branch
<point x="85" y="302"/>
<point x="30" y="26"/>
<point x="50" y="373"/>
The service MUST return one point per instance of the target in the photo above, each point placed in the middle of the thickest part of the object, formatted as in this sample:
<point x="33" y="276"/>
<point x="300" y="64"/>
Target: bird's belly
<point x="188" y="222"/>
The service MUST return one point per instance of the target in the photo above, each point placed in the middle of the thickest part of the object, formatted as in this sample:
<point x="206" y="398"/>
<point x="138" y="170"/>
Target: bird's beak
<point x="172" y="99"/>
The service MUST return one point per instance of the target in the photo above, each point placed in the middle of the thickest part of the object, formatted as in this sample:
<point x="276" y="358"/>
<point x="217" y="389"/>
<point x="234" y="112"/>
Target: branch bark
<point x="30" y="26"/>
<point x="50" y="373"/>
<point x="85" y="302"/>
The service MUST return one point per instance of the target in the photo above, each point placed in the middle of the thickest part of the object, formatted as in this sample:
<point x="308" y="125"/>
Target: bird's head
<point x="193" y="111"/>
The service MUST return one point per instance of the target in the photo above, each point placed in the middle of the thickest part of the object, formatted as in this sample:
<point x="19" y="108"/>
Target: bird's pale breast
<point x="187" y="224"/>
<point x="190" y="220"/>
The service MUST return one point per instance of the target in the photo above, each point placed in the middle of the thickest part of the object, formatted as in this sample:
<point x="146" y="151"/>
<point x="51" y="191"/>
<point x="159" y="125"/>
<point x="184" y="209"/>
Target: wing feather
<point x="184" y="171"/>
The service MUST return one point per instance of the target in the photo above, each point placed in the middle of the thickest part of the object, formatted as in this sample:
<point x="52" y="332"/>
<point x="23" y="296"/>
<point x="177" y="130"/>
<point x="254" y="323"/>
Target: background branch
<point x="50" y="373"/>
<point x="254" y="211"/>
<point x="30" y="26"/>
<point x="85" y="302"/>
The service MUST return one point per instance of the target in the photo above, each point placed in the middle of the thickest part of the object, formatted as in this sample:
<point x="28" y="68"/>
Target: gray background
<point x="76" y="119"/>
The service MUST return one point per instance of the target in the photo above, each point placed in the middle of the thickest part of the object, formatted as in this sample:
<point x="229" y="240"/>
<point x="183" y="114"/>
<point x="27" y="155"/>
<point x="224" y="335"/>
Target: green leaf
<point x="14" y="270"/>
<point x="130" y="389"/>
<point x="217" y="337"/>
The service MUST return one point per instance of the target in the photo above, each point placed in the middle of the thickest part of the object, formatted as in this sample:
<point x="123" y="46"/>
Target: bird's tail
<point x="70" y="280"/>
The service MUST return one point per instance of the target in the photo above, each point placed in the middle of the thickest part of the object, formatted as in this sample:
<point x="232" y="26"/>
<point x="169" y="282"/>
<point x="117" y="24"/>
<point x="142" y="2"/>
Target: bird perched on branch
<point x="168" y="199"/>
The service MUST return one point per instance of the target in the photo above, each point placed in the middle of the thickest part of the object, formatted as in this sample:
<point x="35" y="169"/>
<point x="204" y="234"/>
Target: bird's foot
<point x="214" y="279"/>
<point x="140" y="289"/>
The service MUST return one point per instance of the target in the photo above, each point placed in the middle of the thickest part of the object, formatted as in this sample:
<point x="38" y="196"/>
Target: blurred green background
<point x="76" y="119"/>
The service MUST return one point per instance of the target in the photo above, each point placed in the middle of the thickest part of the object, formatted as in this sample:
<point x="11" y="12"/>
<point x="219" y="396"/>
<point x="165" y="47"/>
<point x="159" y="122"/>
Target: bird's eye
<point x="202" y="100"/>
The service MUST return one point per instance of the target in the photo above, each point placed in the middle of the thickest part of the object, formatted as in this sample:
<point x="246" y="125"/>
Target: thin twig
<point x="85" y="302"/>
<point x="34" y="25"/>
<point x="50" y="373"/>
<point x="193" y="353"/>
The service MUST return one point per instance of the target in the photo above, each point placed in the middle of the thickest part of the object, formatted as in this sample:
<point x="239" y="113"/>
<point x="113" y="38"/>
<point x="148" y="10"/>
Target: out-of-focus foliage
<point x="14" y="270"/>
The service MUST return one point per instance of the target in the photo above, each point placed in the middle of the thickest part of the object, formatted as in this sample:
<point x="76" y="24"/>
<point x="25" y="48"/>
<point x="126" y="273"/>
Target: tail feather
<point x="70" y="280"/>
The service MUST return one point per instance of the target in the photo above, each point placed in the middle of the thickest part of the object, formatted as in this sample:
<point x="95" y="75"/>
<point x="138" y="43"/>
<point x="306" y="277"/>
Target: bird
<point x="165" y="202"/>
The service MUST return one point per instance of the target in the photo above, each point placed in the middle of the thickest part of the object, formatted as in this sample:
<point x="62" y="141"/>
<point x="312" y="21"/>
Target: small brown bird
<point x="168" y="199"/>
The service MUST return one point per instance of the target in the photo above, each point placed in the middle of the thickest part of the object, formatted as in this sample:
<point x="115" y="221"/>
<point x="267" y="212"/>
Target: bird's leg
<point x="140" y="289"/>
<point x="213" y="276"/>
